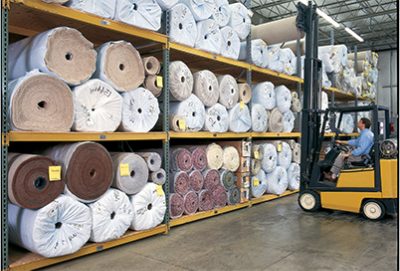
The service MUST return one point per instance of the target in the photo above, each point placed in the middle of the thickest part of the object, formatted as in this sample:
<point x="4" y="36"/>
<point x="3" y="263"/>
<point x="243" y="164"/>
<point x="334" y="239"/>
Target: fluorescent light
<point x="325" y="16"/>
<point x="351" y="32"/>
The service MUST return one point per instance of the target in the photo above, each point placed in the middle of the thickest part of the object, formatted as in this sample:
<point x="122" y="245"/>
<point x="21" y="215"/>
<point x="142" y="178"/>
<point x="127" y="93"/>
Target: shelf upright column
<point x="332" y="43"/>
<point x="356" y="99"/>
<point x="298" y="74"/>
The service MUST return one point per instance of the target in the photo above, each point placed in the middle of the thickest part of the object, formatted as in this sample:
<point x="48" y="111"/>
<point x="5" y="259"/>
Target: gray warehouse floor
<point x="275" y="235"/>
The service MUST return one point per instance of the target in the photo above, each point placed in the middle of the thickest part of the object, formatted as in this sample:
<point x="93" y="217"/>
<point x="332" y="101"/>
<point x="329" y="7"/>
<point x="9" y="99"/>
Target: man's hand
<point x="346" y="155"/>
<point x="339" y="142"/>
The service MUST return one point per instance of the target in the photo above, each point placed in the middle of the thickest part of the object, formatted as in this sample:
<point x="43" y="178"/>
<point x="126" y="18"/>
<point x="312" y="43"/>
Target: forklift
<point x="369" y="187"/>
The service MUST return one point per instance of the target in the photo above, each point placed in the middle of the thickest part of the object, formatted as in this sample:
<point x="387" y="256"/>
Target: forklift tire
<point x="309" y="201"/>
<point x="373" y="209"/>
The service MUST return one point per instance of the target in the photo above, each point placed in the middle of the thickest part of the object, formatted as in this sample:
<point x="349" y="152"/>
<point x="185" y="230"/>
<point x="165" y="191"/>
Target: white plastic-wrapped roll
<point x="111" y="216"/>
<point x="288" y="58"/>
<point x="221" y="13"/>
<point x="230" y="45"/>
<point x="140" y="111"/>
<point x="239" y="118"/>
<point x="240" y="20"/>
<point x="293" y="173"/>
<point x="283" y="98"/>
<point x="228" y="91"/>
<point x="101" y="8"/>
<point x="141" y="13"/>
<point x="231" y="159"/>
<point x="258" y="184"/>
<point x="209" y="36"/>
<point x="347" y="123"/>
<point x="275" y="122"/>
<point x="324" y="100"/>
<point x="264" y="94"/>
<point x="97" y="107"/>
<point x="288" y="121"/>
<point x="192" y="111"/>
<point x="269" y="158"/>
<point x="201" y="9"/>
<point x="215" y="155"/>
<point x="182" y="26"/>
<point x="167" y="4"/>
<point x="153" y="160"/>
<point x="296" y="105"/>
<point x="180" y="81"/>
<point x="259" y="52"/>
<point x="255" y="166"/>
<point x="217" y="119"/>
<point x="259" y="118"/>
<point x="61" y="51"/>
<point x="62" y="227"/>
<point x="277" y="181"/>
<point x="119" y="64"/>
<point x="273" y="56"/>
<point x="284" y="155"/>
<point x="149" y="207"/>
<point x="296" y="153"/>
<point x="206" y="87"/>
<point x="333" y="57"/>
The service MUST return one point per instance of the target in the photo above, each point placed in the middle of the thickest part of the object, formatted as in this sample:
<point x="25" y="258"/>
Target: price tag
<point x="160" y="191"/>
<point x="256" y="182"/>
<point x="54" y="173"/>
<point x="279" y="147"/>
<point x="257" y="155"/>
<point x="159" y="82"/>
<point x="241" y="104"/>
<point x="182" y="124"/>
<point x="124" y="170"/>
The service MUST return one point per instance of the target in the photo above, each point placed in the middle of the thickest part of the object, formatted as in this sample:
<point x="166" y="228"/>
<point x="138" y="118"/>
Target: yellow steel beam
<point x="275" y="135"/>
<point x="269" y="197"/>
<point x="208" y="135"/>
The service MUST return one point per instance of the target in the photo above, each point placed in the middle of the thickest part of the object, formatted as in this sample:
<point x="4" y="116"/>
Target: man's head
<point x="364" y="123"/>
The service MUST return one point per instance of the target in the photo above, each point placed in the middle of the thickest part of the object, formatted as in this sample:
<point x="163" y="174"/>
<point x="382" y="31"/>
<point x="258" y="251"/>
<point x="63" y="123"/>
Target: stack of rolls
<point x="152" y="68"/>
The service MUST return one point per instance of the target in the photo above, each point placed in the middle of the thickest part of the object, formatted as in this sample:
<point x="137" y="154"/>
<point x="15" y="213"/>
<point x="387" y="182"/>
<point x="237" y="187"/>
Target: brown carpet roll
<point x="150" y="83"/>
<point x="191" y="203"/>
<point x="206" y="202"/>
<point x="151" y="65"/>
<point x="28" y="181"/>
<point x="244" y="92"/>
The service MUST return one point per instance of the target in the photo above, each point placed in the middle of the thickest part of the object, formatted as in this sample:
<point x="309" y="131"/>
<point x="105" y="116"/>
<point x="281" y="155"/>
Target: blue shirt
<point x="363" y="143"/>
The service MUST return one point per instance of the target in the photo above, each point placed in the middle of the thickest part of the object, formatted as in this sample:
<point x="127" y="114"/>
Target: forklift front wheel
<point x="309" y="201"/>
<point x="373" y="209"/>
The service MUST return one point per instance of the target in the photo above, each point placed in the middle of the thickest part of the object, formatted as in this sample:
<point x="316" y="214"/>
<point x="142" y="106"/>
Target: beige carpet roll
<point x="151" y="65"/>
<point x="231" y="159"/>
<point x="150" y="83"/>
<point x="275" y="121"/>
<point x="206" y="87"/>
<point x="176" y="123"/>
<point x="244" y="92"/>
<point x="228" y="91"/>
<point x="40" y="102"/>
<point x="215" y="155"/>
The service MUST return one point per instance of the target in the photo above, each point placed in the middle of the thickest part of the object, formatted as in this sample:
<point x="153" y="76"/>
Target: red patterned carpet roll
<point x="180" y="183"/>
<point x="176" y="205"/>
<point x="196" y="180"/>
<point x="211" y="179"/>
<point x="206" y="202"/>
<point x="219" y="196"/>
<point x="191" y="203"/>
<point x="181" y="160"/>
<point x="199" y="158"/>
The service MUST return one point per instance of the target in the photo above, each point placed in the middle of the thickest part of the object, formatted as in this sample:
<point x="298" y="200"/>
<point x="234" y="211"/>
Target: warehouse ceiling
<point x="374" y="20"/>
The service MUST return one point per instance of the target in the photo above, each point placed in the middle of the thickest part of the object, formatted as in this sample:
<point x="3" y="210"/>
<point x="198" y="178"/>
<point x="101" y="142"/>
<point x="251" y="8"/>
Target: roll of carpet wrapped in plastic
<point x="259" y="118"/>
<point x="284" y="154"/>
<point x="28" y="181"/>
<point x="209" y="36"/>
<point x="211" y="179"/>
<point x="61" y="51"/>
<point x="347" y="123"/>
<point x="141" y="13"/>
<point x="258" y="184"/>
<point x="201" y="10"/>
<point x="112" y="215"/>
<point x="220" y="196"/>
<point x="119" y="64"/>
<point x="270" y="158"/>
<point x="228" y="91"/>
<point x="181" y="159"/>
<point x="87" y="169"/>
<point x="180" y="81"/>
<point x="221" y="13"/>
<point x="228" y="179"/>
<point x="233" y="196"/>
<point x="217" y="119"/>
<point x="289" y="60"/>
<point x="206" y="87"/>
<point x="150" y="83"/>
<point x="389" y="148"/>
<point x="182" y="26"/>
<point x="192" y="111"/>
<point x="245" y="92"/>
<point x="296" y="105"/>
<point x="176" y="205"/>
<point x="158" y="177"/>
<point x="167" y="4"/>
<point x="240" y="118"/>
<point x="151" y="65"/>
<point x="230" y="43"/>
<point x="149" y="206"/>
<point x="40" y="102"/>
<point x="199" y="157"/>
<point x="140" y="111"/>
<point x="296" y="153"/>
<point x="231" y="159"/>
<point x="61" y="227"/>
<point x="288" y="121"/>
<point x="206" y="202"/>
<point x="191" y="203"/>
<point x="240" y="20"/>
<point x="283" y="98"/>
<point x="196" y="180"/>
<point x="130" y="172"/>
<point x="277" y="181"/>
<point x="180" y="182"/>
<point x="259" y="52"/>
<point x="257" y="151"/>
<point x="336" y="57"/>
<point x="293" y="173"/>
<point x="275" y="123"/>
<point x="215" y="155"/>
<point x="264" y="94"/>
<point x="255" y="166"/>
<point x="97" y="106"/>
<point x="153" y="160"/>
<point x="101" y="8"/>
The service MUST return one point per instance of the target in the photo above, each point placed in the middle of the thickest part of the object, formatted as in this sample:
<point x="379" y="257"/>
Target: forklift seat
<point x="367" y="160"/>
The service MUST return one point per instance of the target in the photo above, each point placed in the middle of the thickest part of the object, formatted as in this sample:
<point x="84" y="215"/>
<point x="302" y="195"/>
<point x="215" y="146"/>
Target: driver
<point x="362" y="144"/>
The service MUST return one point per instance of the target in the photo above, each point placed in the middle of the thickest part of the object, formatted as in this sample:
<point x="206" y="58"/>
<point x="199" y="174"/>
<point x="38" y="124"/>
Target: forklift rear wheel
<point x="309" y="201"/>
<point x="373" y="209"/>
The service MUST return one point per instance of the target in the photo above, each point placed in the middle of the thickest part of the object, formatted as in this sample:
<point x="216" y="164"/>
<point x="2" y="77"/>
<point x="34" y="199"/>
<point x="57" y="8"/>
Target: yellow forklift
<point x="369" y="187"/>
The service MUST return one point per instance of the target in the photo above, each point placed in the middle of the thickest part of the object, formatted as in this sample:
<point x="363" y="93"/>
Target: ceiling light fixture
<point x="325" y="16"/>
<point x="354" y="34"/>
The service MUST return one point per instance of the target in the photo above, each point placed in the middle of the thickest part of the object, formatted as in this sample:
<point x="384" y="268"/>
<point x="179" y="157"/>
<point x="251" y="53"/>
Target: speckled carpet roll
<point x="206" y="87"/>
<point x="206" y="202"/>
<point x="191" y="203"/>
<point x="176" y="205"/>
<point x="231" y="159"/>
<point x="199" y="157"/>
<point x="196" y="180"/>
<point x="158" y="177"/>
<point x="151" y="65"/>
<point x="181" y="159"/>
<point x="220" y="196"/>
<point x="228" y="179"/>
<point x="211" y="179"/>
<point x="180" y="81"/>
<point x="233" y="196"/>
<point x="245" y="92"/>
<point x="153" y="160"/>
<point x="180" y="183"/>
<point x="215" y="155"/>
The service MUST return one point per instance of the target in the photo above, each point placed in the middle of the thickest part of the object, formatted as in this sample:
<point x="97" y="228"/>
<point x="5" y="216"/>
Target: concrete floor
<point x="275" y="235"/>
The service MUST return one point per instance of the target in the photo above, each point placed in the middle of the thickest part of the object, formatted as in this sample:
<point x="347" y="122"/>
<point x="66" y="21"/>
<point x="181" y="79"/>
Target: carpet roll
<point x="270" y="158"/>
<point x="277" y="31"/>
<point x="181" y="160"/>
<point x="215" y="155"/>
<point x="228" y="91"/>
<point x="158" y="177"/>
<point x="284" y="155"/>
<point x="112" y="215"/>
<point x="192" y="111"/>
<point x="180" y="183"/>
<point x="199" y="158"/>
<point x="151" y="65"/>
<point x="259" y="118"/>
<point x="283" y="98"/>
<point x="296" y="105"/>
<point x="61" y="227"/>
<point x="264" y="94"/>
<point x="231" y="159"/>
<point x="191" y="203"/>
<point x="239" y="118"/>
<point x="140" y="111"/>
<point x="347" y="123"/>
<point x="28" y="181"/>
<point x="167" y="4"/>
<point x="119" y="64"/>
<point x="175" y="123"/>
<point x="150" y="83"/>
<point x="101" y="8"/>
<point x="61" y="51"/>
<point x="201" y="10"/>
<point x="206" y="87"/>
<point x="240" y="20"/>
<point x="293" y="173"/>
<point x="98" y="107"/>
<point x="130" y="172"/>
<point x="176" y="205"/>
<point x="275" y="122"/>
<point x="182" y="26"/>
<point x="288" y="120"/>
<point x="217" y="119"/>
<point x="180" y="81"/>
<point x="211" y="179"/>
<point x="258" y="184"/>
<point x="245" y="92"/>
<point x="149" y="207"/>
<point x="230" y="43"/>
<point x="255" y="166"/>
<point x="221" y="12"/>
<point x="196" y="180"/>
<point x="40" y="102"/>
<point x="153" y="160"/>
<point x="209" y="36"/>
<point x="206" y="202"/>
<point x="219" y="196"/>
<point x="259" y="52"/>
<point x="277" y="181"/>
<point x="228" y="179"/>
<point x="87" y="169"/>
<point x="233" y="196"/>
<point x="296" y="153"/>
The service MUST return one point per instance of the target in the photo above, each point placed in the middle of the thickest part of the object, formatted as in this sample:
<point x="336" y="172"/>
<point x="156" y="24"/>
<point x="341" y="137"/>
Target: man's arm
<point x="363" y="145"/>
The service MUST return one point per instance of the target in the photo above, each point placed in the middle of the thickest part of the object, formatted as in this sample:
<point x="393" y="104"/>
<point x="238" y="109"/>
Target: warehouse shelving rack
<point x="29" y="17"/>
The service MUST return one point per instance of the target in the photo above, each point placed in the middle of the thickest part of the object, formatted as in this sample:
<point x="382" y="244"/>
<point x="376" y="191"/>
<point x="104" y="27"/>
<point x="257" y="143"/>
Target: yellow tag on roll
<point x="279" y="147"/>
<point x="54" y="173"/>
<point x="160" y="191"/>
<point x="256" y="182"/>
<point x="124" y="170"/>
<point x="257" y="154"/>
<point x="241" y="105"/>
<point x="182" y="124"/>
<point x="159" y="82"/>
